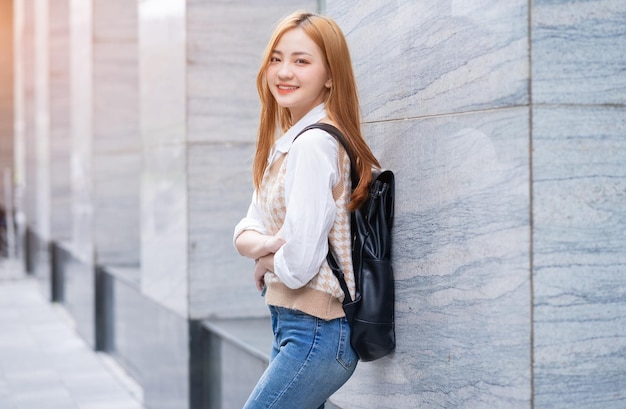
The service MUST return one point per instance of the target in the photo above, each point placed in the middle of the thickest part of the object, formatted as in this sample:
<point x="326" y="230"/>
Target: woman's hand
<point x="273" y="243"/>
<point x="265" y="263"/>
<point x="262" y="248"/>
<point x="261" y="266"/>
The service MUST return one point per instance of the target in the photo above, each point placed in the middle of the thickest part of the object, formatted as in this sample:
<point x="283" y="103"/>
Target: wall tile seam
<point x="173" y="142"/>
<point x="197" y="142"/>
<point x="531" y="225"/>
<point x="102" y="39"/>
<point x="498" y="109"/>
<point x="111" y="151"/>
<point x="579" y="105"/>
<point x="190" y="242"/>
<point x="447" y="114"/>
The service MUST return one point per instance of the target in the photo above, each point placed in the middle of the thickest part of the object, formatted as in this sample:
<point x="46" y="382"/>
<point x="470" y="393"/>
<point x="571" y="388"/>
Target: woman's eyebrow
<point x="296" y="53"/>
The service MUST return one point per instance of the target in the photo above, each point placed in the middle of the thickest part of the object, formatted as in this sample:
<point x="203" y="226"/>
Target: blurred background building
<point x="127" y="130"/>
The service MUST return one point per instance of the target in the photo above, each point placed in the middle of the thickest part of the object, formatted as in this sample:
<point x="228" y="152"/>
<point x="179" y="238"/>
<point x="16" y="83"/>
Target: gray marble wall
<point x="225" y="41"/>
<point x="81" y="128"/>
<point x="26" y="113"/>
<point x="27" y="135"/>
<point x="59" y="125"/>
<point x="579" y="210"/>
<point x="504" y="123"/>
<point x="510" y="229"/>
<point x="40" y="148"/>
<point x="31" y="143"/>
<point x="19" y="119"/>
<point x="6" y="94"/>
<point x="162" y="82"/>
<point x="116" y="137"/>
<point x="444" y="90"/>
<point x="158" y="361"/>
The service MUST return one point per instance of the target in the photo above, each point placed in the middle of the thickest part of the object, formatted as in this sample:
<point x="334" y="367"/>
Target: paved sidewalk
<point x="44" y="363"/>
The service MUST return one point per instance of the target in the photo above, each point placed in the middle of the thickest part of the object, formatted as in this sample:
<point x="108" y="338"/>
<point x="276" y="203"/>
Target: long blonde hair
<point x="342" y="104"/>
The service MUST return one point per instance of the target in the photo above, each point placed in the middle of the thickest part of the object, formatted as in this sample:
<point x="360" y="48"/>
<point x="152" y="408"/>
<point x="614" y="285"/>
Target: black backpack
<point x="371" y="313"/>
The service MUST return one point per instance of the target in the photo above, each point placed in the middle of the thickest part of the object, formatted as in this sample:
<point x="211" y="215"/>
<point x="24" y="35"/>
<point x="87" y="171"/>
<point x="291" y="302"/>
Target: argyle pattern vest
<point x="322" y="296"/>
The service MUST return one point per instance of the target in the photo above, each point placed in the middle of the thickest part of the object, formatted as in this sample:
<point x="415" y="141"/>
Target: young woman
<point x="301" y="204"/>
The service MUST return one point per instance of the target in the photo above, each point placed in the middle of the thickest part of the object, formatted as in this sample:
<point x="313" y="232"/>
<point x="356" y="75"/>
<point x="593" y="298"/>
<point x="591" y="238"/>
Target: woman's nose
<point x="285" y="71"/>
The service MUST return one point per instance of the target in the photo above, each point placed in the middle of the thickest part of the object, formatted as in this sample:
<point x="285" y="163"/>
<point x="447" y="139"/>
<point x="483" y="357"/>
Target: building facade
<point x="127" y="130"/>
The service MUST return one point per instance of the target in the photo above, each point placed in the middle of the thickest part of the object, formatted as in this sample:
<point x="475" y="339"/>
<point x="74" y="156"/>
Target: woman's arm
<point x="261" y="248"/>
<point x="253" y="244"/>
<point x="250" y="238"/>
<point x="262" y="266"/>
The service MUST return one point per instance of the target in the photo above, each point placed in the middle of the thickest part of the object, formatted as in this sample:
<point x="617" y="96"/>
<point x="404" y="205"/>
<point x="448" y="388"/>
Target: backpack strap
<point x="336" y="133"/>
<point x="336" y="269"/>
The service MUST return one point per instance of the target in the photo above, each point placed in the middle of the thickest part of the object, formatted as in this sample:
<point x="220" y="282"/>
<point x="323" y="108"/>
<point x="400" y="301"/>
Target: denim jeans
<point x="311" y="359"/>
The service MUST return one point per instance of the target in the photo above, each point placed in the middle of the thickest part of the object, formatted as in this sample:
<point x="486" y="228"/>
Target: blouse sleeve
<point x="252" y="221"/>
<point x="311" y="173"/>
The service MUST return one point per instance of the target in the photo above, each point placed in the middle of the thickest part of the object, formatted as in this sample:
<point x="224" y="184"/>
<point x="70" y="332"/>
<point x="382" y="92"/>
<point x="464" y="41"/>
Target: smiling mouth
<point x="287" y="87"/>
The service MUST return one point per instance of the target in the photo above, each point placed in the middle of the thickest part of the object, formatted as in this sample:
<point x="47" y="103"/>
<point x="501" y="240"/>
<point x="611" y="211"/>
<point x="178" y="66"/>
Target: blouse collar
<point x="283" y="144"/>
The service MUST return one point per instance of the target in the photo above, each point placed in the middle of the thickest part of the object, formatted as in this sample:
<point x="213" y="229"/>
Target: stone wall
<point x="444" y="90"/>
<point x="579" y="212"/>
<point x="506" y="127"/>
<point x="135" y="126"/>
<point x="6" y="94"/>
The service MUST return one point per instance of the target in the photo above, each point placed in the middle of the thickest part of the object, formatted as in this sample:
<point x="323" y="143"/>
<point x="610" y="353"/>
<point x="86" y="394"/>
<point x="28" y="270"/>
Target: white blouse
<point x="311" y="173"/>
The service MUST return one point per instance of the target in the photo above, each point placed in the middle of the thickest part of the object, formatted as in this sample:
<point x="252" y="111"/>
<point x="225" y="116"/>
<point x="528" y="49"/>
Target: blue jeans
<point x="311" y="359"/>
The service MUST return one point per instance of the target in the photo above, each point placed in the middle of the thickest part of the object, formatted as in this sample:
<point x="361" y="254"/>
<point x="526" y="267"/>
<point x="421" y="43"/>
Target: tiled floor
<point x="44" y="363"/>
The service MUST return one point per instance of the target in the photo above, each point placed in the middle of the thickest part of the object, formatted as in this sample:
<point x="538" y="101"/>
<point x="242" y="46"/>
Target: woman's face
<point x="297" y="74"/>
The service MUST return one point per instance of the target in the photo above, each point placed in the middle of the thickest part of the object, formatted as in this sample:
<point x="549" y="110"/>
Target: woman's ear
<point x="329" y="83"/>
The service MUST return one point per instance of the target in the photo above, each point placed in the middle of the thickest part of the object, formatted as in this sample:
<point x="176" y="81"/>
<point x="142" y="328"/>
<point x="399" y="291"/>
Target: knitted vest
<point x="322" y="296"/>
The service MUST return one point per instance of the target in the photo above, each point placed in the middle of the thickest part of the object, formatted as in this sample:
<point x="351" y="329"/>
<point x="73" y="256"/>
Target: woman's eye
<point x="301" y="61"/>
<point x="274" y="59"/>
